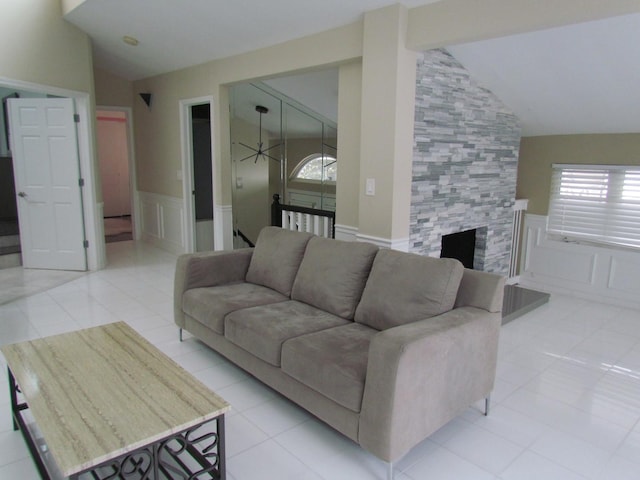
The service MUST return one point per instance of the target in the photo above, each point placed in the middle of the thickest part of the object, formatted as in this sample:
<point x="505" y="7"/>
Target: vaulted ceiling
<point x="579" y="78"/>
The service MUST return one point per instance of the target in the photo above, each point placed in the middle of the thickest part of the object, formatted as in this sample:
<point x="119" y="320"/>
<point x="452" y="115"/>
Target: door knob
<point x="22" y="194"/>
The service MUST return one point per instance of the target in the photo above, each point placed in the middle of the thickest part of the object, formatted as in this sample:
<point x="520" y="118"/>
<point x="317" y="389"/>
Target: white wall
<point x="113" y="159"/>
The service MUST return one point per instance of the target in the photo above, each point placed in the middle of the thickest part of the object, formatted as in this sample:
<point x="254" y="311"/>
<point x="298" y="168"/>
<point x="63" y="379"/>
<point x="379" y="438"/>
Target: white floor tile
<point x="531" y="466"/>
<point x="315" y="444"/>
<point x="246" y="394"/>
<point x="630" y="448"/>
<point x="514" y="426"/>
<point x="485" y="449"/>
<point x="572" y="453"/>
<point x="23" y="469"/>
<point x="269" y="461"/>
<point x="12" y="447"/>
<point x="441" y="464"/>
<point x="220" y="375"/>
<point x="619" y="468"/>
<point x="276" y="415"/>
<point x="241" y="435"/>
<point x="566" y="404"/>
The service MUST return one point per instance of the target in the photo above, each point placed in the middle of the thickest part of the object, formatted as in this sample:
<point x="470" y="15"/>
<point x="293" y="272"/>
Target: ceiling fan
<point x="260" y="152"/>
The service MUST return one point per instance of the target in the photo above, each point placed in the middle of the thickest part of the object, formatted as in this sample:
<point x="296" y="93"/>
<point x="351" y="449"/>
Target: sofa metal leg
<point x="487" y="405"/>
<point x="390" y="471"/>
<point x="180" y="334"/>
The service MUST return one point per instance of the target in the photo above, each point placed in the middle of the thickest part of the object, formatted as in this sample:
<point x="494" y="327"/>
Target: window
<point x="596" y="203"/>
<point x="316" y="168"/>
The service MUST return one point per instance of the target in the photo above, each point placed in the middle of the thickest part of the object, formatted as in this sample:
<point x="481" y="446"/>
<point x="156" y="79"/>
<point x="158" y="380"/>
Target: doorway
<point x="114" y="159"/>
<point x="202" y="176"/>
<point x="94" y="242"/>
<point x="197" y="172"/>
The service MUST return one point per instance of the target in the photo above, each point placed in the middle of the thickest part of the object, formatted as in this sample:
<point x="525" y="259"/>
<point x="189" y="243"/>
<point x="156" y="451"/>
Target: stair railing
<point x="303" y="219"/>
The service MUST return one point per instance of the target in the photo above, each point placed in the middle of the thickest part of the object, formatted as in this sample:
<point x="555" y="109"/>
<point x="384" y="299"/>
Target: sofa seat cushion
<point x="333" y="362"/>
<point x="261" y="331"/>
<point x="405" y="287"/>
<point x="333" y="274"/>
<point x="276" y="258"/>
<point x="210" y="305"/>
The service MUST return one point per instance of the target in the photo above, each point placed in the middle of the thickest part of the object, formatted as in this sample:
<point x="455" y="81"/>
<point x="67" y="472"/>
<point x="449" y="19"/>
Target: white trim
<point x="347" y="233"/>
<point x="223" y="227"/>
<point x="94" y="229"/>
<point x="589" y="166"/>
<point x="400" y="244"/>
<point x="133" y="182"/>
<point x="521" y="204"/>
<point x="102" y="246"/>
<point x="39" y="88"/>
<point x="186" y="147"/>
<point x="513" y="280"/>
<point x="93" y="225"/>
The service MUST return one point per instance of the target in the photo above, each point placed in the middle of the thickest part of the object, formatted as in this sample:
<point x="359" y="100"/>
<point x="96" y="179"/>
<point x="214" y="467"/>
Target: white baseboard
<point x="223" y="227"/>
<point x="400" y="244"/>
<point x="346" y="233"/>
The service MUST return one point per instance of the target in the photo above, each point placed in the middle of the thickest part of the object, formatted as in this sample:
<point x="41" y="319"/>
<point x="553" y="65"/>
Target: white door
<point x="47" y="178"/>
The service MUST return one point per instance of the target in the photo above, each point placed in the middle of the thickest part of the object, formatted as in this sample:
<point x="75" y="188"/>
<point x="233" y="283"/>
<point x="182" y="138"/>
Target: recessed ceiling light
<point x="130" y="40"/>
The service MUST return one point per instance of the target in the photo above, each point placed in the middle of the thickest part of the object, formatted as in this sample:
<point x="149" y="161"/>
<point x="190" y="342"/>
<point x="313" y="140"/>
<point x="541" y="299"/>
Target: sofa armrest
<point x="482" y="290"/>
<point x="207" y="269"/>
<point x="423" y="374"/>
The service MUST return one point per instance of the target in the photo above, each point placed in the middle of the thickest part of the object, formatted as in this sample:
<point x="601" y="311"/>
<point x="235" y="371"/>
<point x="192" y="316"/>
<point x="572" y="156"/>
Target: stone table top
<point x="98" y="393"/>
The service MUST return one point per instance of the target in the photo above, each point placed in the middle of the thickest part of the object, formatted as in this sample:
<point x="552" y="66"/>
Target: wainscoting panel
<point x="151" y="224"/>
<point x="163" y="222"/>
<point x="624" y="274"/>
<point x="599" y="273"/>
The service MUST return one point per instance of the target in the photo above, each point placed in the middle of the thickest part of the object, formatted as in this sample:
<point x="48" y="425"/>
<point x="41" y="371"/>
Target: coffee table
<point x="108" y="404"/>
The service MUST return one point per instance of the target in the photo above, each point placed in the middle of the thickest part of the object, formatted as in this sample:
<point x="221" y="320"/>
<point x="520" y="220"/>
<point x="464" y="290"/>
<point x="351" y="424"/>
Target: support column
<point x="386" y="142"/>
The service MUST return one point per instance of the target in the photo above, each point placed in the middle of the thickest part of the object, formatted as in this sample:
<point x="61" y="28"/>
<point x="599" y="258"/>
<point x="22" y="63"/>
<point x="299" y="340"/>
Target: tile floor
<point x="566" y="404"/>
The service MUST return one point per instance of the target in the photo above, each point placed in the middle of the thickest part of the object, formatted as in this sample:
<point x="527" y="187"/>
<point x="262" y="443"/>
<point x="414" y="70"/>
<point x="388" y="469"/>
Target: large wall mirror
<point x="282" y="144"/>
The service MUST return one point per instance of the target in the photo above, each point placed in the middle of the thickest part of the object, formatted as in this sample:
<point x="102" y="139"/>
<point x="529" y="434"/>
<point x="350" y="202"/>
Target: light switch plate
<point x="370" y="187"/>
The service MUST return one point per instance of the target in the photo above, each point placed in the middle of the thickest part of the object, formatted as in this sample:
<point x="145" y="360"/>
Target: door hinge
<point x="76" y="118"/>
<point x="81" y="182"/>
<point x="85" y="244"/>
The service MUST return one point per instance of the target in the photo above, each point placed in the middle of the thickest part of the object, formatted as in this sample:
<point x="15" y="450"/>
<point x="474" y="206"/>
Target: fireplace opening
<point x="461" y="246"/>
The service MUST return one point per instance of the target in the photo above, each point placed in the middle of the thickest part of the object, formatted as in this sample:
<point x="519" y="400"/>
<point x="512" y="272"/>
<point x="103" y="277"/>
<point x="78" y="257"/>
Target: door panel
<point x="46" y="170"/>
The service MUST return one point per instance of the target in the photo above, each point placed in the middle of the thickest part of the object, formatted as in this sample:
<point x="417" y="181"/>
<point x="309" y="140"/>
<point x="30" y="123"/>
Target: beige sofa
<point x="384" y="346"/>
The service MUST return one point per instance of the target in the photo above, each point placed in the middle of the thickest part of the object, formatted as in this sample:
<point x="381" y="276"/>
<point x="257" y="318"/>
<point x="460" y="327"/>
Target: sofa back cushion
<point x="333" y="274"/>
<point x="405" y="287"/>
<point x="276" y="258"/>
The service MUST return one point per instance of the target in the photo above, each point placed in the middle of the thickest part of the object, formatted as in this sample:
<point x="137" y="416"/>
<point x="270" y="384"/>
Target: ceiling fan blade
<point x="247" y="146"/>
<point x="247" y="158"/>
<point x="272" y="158"/>
<point x="272" y="146"/>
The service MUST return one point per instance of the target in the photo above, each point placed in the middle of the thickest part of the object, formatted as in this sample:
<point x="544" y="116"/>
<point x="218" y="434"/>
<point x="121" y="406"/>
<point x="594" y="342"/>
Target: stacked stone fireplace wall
<point x="465" y="160"/>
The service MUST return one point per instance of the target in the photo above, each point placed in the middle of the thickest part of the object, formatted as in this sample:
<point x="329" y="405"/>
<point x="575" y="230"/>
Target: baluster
<point x="299" y="221"/>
